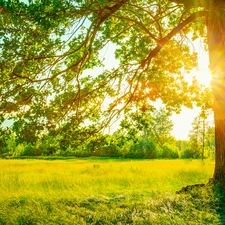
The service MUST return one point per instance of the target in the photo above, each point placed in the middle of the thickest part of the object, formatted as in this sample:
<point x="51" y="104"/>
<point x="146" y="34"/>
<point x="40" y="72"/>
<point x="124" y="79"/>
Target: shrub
<point x="142" y="149"/>
<point x="11" y="143"/>
<point x="19" y="150"/>
<point x="169" y="151"/>
<point x="150" y="150"/>
<point x="31" y="150"/>
<point x="187" y="153"/>
<point x="48" y="146"/>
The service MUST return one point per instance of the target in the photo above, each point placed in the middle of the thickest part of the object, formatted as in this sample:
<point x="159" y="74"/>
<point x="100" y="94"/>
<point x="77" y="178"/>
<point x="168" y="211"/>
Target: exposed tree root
<point x="189" y="188"/>
<point x="194" y="186"/>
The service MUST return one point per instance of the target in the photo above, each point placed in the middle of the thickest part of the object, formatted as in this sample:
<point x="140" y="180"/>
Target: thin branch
<point x="141" y="25"/>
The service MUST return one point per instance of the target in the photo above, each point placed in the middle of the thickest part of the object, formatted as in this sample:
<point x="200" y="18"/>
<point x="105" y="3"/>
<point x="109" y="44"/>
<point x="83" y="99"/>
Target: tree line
<point x="140" y="135"/>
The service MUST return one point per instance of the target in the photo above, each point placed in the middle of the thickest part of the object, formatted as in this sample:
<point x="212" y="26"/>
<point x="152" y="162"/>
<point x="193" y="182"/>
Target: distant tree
<point x="194" y="136"/>
<point x="155" y="125"/>
<point x="182" y="144"/>
<point x="5" y="134"/>
<point x="200" y="133"/>
<point x="160" y="127"/>
<point x="210" y="140"/>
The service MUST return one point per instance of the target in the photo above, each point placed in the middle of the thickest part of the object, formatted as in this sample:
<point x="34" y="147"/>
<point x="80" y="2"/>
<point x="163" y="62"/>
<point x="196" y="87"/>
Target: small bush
<point x="142" y="149"/>
<point x="150" y="150"/>
<point x="169" y="152"/>
<point x="19" y="150"/>
<point x="31" y="150"/>
<point x="187" y="153"/>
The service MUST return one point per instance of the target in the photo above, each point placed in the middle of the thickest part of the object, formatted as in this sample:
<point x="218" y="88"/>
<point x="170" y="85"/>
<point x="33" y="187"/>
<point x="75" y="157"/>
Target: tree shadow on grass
<point x="218" y="201"/>
<point x="208" y="202"/>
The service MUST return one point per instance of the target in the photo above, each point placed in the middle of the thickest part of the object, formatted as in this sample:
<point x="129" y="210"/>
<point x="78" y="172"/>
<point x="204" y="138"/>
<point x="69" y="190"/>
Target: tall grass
<point x="80" y="178"/>
<point x="107" y="192"/>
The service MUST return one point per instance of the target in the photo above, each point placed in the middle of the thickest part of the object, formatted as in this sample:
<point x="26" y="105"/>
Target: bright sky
<point x="182" y="122"/>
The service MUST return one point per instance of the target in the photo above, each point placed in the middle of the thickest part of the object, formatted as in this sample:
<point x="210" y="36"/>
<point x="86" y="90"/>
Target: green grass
<point x="98" y="191"/>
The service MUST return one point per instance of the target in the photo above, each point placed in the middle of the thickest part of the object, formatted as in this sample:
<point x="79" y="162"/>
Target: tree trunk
<point x="203" y="137"/>
<point x="216" y="42"/>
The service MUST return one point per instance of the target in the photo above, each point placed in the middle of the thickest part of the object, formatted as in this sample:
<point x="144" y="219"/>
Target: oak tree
<point x="48" y="47"/>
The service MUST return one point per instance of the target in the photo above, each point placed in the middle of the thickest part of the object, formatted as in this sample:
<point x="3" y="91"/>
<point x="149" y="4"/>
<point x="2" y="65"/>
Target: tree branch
<point x="167" y="38"/>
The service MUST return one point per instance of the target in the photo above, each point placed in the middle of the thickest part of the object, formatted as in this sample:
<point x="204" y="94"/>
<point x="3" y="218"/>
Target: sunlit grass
<point x="108" y="192"/>
<point x="80" y="178"/>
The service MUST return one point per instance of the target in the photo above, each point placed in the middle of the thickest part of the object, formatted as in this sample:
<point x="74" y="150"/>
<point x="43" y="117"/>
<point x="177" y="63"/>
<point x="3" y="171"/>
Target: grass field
<point x="96" y="191"/>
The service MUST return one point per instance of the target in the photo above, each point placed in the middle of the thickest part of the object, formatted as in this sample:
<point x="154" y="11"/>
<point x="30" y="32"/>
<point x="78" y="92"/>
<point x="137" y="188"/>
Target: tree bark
<point x="216" y="43"/>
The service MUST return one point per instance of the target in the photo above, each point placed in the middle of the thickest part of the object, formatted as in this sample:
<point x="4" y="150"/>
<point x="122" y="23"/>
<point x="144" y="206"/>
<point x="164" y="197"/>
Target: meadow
<point x="106" y="191"/>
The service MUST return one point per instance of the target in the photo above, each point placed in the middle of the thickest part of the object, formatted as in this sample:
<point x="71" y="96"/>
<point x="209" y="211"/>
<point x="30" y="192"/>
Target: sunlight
<point x="203" y="73"/>
<point x="183" y="121"/>
<point x="204" y="76"/>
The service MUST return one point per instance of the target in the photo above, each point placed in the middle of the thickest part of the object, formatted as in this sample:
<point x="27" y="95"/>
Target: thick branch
<point x="167" y="38"/>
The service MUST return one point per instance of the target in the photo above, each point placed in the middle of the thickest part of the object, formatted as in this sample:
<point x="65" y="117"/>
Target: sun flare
<point x="204" y="76"/>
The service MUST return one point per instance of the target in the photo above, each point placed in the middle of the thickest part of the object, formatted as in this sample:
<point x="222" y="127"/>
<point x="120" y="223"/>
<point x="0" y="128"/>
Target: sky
<point x="183" y="121"/>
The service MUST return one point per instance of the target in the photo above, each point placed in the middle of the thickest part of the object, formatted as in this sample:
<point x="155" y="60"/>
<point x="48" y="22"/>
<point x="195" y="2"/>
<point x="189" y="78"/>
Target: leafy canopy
<point x="49" y="48"/>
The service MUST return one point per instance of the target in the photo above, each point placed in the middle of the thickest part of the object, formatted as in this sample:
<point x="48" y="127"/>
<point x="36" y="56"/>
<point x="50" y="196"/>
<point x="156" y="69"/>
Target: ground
<point x="108" y="192"/>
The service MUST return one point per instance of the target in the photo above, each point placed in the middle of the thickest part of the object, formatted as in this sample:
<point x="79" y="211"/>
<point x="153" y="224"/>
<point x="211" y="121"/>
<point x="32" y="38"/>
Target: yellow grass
<point x="80" y="178"/>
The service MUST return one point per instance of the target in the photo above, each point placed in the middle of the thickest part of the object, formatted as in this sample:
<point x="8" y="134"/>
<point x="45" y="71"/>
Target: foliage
<point x="11" y="143"/>
<point x="31" y="150"/>
<point x="160" y="127"/>
<point x="4" y="135"/>
<point x="187" y="153"/>
<point x="49" y="48"/>
<point x="60" y="93"/>
<point x="169" y="151"/>
<point x="201" y="137"/>
<point x="140" y="135"/>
